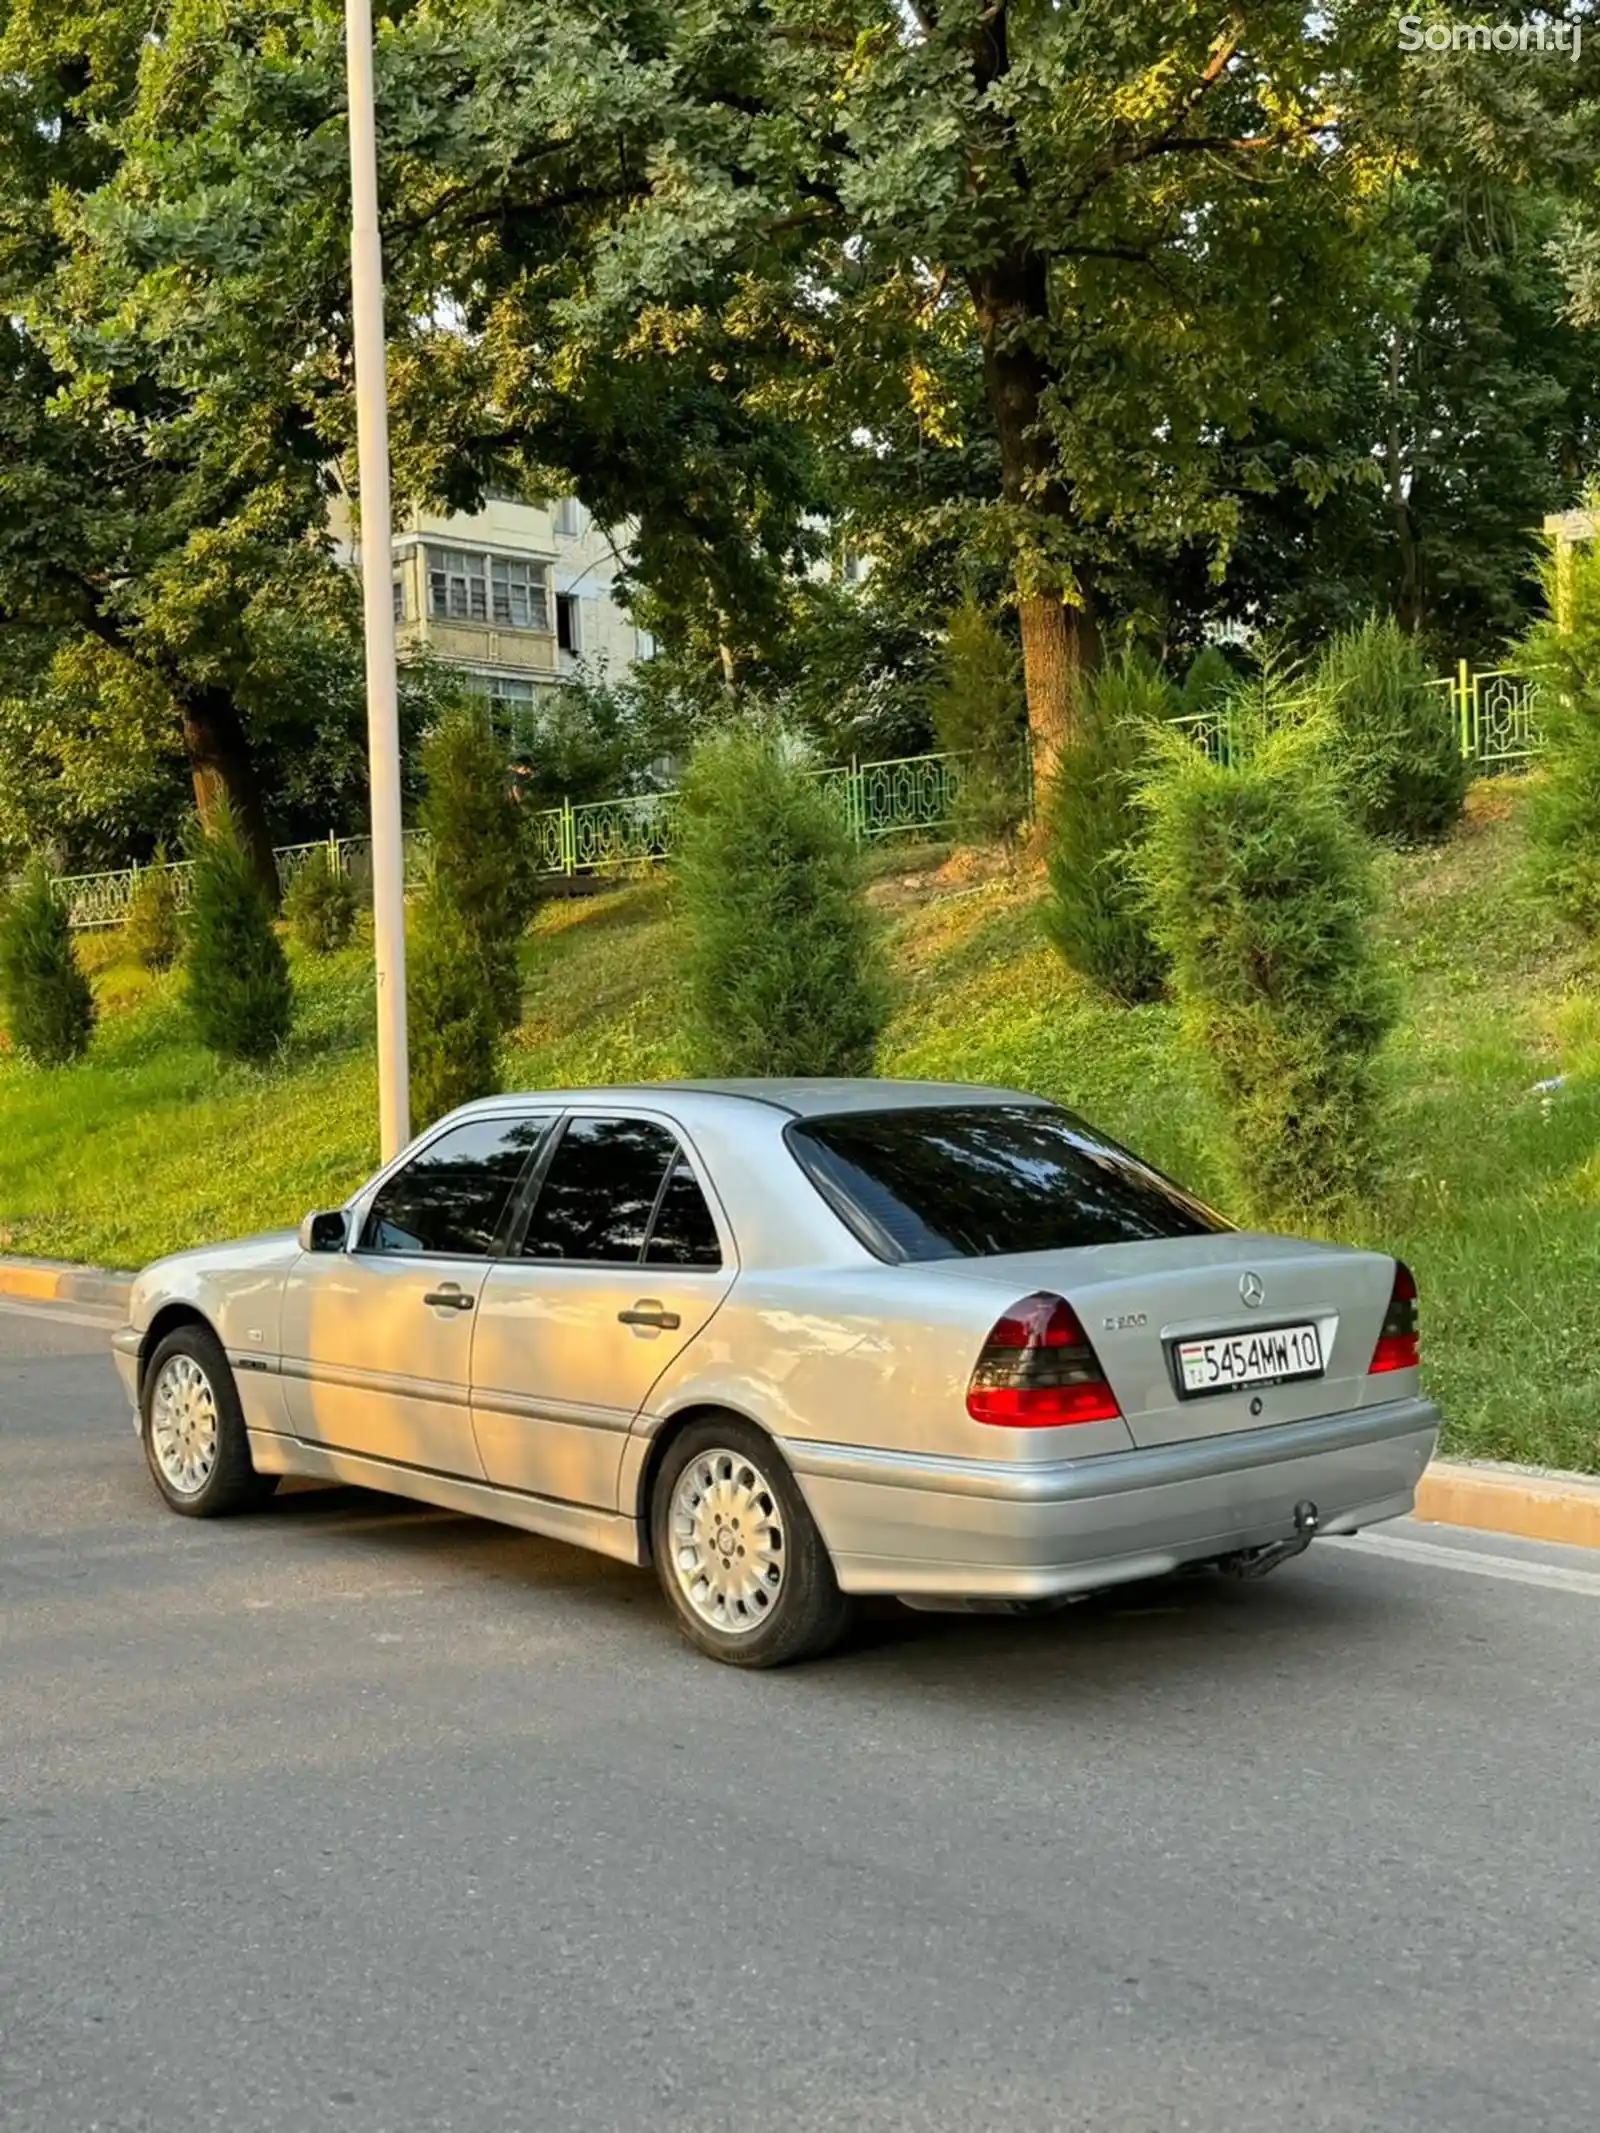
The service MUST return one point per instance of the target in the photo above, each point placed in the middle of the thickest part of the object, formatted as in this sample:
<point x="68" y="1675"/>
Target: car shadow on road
<point x="1321" y="1620"/>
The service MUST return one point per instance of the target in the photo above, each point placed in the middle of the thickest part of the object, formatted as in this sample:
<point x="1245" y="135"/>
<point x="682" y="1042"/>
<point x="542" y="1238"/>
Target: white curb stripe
<point x="1511" y="1570"/>
<point x="62" y="1314"/>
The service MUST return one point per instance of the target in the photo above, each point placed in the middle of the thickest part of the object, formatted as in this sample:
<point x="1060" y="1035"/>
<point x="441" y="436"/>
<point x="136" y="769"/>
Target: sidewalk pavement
<point x="1525" y="1501"/>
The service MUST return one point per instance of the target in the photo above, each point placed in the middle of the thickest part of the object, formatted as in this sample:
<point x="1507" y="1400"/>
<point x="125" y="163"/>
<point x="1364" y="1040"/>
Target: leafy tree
<point x="320" y="905"/>
<point x="154" y="927"/>
<point x="1563" y="654"/>
<point x="169" y="598"/>
<point x="1053" y="163"/>
<point x="1097" y="914"/>
<point x="979" y="715"/>
<point x="1452" y="417"/>
<point x="236" y="977"/>
<point x="1264" y="900"/>
<point x="482" y="860"/>
<point x="1400" y="755"/>
<point x="710" y="261"/>
<point x="1113" y="303"/>
<point x="782" y="970"/>
<point x="49" y="1008"/>
<point x="846" y="662"/>
<point x="453" y="1030"/>
<point x="592" y="738"/>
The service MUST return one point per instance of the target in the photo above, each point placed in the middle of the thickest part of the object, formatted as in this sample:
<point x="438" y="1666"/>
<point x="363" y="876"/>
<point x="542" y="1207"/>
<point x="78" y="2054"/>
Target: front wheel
<point x="737" y="1552"/>
<point x="194" y="1433"/>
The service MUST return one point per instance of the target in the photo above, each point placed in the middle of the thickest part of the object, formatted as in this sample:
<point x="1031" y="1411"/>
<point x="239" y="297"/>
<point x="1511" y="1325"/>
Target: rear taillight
<point x="1038" y="1371"/>
<point x="1397" y="1343"/>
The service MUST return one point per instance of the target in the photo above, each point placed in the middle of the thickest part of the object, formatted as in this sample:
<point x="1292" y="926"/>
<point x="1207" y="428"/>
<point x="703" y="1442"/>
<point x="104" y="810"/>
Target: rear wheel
<point x="737" y="1552"/>
<point x="194" y="1434"/>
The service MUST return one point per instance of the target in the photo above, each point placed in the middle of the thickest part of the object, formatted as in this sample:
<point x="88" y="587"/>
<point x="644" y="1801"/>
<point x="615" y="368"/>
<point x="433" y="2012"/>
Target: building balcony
<point x="476" y="644"/>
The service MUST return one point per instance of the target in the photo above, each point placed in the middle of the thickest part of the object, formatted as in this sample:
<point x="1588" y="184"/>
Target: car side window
<point x="599" y="1192"/>
<point x="451" y="1198"/>
<point x="683" y="1232"/>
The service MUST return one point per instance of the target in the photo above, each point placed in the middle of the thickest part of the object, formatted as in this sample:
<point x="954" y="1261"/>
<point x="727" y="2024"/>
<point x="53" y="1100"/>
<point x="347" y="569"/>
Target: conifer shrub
<point x="1263" y="897"/>
<point x="782" y="969"/>
<point x="1210" y="678"/>
<point x="1399" y="752"/>
<point x="236" y="977"/>
<point x="49" y="1008"/>
<point x="1562" y="655"/>
<point x="453" y="1028"/>
<point x="1097" y="911"/>
<point x="320" y="905"/>
<point x="979" y="713"/>
<point x="154" y="928"/>
<point x="480" y="852"/>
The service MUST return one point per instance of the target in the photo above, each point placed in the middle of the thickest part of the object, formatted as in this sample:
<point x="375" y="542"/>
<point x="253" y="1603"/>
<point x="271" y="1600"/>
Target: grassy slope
<point x="1492" y="1196"/>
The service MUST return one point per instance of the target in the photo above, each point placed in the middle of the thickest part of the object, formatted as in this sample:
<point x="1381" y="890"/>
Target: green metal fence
<point x="1497" y="716"/>
<point x="908" y="796"/>
<point x="1494" y="709"/>
<point x="911" y="796"/>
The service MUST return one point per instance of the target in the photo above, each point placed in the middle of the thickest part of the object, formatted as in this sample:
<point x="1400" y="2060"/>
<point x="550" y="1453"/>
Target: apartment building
<point x="517" y="595"/>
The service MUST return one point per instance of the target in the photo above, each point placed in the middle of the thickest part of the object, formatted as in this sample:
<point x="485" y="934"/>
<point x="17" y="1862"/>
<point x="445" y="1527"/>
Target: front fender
<point x="236" y="1288"/>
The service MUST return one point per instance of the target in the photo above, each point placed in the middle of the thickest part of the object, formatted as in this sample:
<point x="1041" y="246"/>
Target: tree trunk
<point x="223" y="769"/>
<point x="1060" y="642"/>
<point x="1060" y="647"/>
<point x="1011" y="302"/>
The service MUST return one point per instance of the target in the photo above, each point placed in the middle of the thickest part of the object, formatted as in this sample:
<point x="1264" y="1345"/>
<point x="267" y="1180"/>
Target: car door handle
<point x="647" y="1312"/>
<point x="449" y="1298"/>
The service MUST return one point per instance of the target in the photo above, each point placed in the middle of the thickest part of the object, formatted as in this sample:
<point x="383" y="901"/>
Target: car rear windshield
<point x="974" y="1181"/>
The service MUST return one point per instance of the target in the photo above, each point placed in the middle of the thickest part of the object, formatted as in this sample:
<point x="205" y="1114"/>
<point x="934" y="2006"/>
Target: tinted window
<point x="683" y="1233"/>
<point x="452" y="1196"/>
<point x="974" y="1181"/>
<point x="599" y="1191"/>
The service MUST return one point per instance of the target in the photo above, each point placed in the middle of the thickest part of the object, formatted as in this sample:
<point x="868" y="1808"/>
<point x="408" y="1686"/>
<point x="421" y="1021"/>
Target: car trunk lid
<point x="1140" y="1303"/>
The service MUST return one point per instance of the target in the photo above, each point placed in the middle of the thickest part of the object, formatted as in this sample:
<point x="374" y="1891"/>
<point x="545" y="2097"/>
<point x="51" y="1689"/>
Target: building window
<point x="569" y="518"/>
<point x="458" y="585"/>
<point x="501" y="688"/>
<point x="399" y="597"/>
<point x="567" y="623"/>
<point x="464" y="586"/>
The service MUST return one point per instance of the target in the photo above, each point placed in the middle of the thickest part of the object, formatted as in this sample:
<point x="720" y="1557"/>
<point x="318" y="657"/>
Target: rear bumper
<point x="978" y="1529"/>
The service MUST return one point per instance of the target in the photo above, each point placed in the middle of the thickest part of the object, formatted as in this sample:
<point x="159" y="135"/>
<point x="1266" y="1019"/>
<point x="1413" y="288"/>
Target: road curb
<point x="1525" y="1501"/>
<point x="59" y="1281"/>
<point x="1528" y="1502"/>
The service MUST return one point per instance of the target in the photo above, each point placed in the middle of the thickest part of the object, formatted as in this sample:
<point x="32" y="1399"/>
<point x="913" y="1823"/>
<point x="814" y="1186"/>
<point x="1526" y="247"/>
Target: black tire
<point x="807" y="1614"/>
<point x="230" y="1483"/>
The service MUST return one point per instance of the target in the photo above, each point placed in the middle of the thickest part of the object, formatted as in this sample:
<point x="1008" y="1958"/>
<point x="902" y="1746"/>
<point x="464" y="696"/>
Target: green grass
<point x="1492" y="1192"/>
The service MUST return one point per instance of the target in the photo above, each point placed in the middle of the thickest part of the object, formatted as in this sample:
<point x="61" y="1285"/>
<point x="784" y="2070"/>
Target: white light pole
<point x="377" y="584"/>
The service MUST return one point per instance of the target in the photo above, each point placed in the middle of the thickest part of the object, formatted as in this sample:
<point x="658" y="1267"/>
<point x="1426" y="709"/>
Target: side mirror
<point x="325" y="1232"/>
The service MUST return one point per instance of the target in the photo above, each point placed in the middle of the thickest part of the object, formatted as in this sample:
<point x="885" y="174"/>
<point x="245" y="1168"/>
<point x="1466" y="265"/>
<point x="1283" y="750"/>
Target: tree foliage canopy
<point x="1133" y="310"/>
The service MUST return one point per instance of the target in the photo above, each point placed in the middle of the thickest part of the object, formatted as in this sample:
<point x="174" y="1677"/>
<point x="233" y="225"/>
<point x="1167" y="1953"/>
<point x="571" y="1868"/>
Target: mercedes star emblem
<point x="1252" y="1288"/>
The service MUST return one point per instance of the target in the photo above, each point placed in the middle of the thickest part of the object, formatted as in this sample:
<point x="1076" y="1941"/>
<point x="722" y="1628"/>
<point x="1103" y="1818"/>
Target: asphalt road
<point x="349" y="1817"/>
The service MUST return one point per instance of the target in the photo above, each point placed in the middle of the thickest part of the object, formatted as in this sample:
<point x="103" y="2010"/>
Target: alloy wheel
<point x="183" y="1425"/>
<point x="728" y="1541"/>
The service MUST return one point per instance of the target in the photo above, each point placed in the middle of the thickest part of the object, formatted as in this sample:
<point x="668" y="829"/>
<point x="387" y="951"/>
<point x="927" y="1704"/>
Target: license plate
<point x="1230" y="1362"/>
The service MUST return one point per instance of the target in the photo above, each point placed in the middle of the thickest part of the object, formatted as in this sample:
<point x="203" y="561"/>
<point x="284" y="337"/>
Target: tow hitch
<point x="1258" y="1562"/>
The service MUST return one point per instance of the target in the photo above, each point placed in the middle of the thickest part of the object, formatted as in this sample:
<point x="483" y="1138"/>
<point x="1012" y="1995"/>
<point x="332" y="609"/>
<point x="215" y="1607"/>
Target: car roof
<point x="799" y="1096"/>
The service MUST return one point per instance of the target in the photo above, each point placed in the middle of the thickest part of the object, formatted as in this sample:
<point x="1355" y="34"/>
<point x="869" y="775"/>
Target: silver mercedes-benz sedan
<point x="794" y="1341"/>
